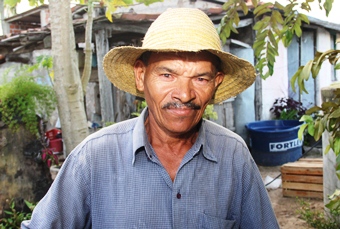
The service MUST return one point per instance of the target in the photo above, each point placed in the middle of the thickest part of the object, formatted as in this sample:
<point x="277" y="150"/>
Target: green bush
<point x="316" y="218"/>
<point x="22" y="99"/>
<point x="13" y="217"/>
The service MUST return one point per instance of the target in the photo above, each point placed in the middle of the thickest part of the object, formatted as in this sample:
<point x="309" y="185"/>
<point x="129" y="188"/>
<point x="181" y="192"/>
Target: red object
<point x="52" y="134"/>
<point x="56" y="145"/>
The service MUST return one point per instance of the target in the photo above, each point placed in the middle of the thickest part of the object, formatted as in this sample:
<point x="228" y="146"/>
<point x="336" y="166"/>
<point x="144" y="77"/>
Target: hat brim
<point x="119" y="63"/>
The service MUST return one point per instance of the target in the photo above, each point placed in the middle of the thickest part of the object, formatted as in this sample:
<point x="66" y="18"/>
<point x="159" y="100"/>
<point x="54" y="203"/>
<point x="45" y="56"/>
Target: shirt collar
<point x="139" y="134"/>
<point x="202" y="143"/>
<point x="140" y="138"/>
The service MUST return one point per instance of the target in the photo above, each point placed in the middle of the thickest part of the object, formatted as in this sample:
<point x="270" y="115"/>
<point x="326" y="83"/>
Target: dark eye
<point x="201" y="79"/>
<point x="167" y="75"/>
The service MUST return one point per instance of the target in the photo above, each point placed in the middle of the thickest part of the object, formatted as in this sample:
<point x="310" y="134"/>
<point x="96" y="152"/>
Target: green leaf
<point x="254" y="3"/>
<point x="297" y="29"/>
<point x="311" y="131"/>
<point x="108" y="15"/>
<point x="301" y="131"/>
<point x="304" y="18"/>
<point x="244" y="8"/>
<point x="273" y="41"/>
<point x="313" y="110"/>
<point x="328" y="105"/>
<point x="337" y="66"/>
<point x="328" y="147"/>
<point x="335" y="114"/>
<point x="336" y="146"/>
<point x="262" y="8"/>
<point x="263" y="11"/>
<point x="277" y="16"/>
<point x="294" y="78"/>
<point x="145" y="2"/>
<point x="337" y="160"/>
<point x="306" y="118"/>
<point x="8" y="212"/>
<point x="227" y="5"/>
<point x="328" y="6"/>
<point x="305" y="73"/>
<point x="259" y="25"/>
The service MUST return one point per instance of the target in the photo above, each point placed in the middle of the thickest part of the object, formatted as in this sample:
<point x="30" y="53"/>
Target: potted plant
<point x="23" y="100"/>
<point x="52" y="161"/>
<point x="287" y="109"/>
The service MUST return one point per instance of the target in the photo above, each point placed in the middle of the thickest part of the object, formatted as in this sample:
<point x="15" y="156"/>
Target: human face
<point x="177" y="88"/>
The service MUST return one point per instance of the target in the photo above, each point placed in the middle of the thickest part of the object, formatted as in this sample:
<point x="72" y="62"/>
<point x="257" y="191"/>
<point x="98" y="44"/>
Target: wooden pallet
<point x="303" y="178"/>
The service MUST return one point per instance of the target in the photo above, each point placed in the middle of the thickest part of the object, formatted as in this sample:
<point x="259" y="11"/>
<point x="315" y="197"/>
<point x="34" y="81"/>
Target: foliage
<point x="140" y="105"/>
<point x="22" y="98"/>
<point x="316" y="218"/>
<point x="313" y="67"/>
<point x="209" y="113"/>
<point x="287" y="109"/>
<point x="275" y="23"/>
<point x="112" y="5"/>
<point x="326" y="118"/>
<point x="14" y="218"/>
<point x="334" y="203"/>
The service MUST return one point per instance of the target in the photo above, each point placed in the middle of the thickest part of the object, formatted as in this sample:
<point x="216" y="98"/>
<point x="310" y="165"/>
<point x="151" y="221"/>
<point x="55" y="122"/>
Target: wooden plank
<point x="302" y="179"/>
<point x="305" y="194"/>
<point x="304" y="163"/>
<point x="302" y="186"/>
<point x="302" y="171"/>
<point x="302" y="168"/>
<point x="315" y="160"/>
<point x="105" y="86"/>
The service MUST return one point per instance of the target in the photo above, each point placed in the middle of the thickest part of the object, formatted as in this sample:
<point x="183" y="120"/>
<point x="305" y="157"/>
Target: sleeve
<point x="257" y="211"/>
<point x="67" y="203"/>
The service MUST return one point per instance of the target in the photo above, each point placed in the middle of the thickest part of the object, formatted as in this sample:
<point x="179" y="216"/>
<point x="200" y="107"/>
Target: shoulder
<point x="106" y="139"/>
<point x="214" y="131"/>
<point x="227" y="146"/>
<point x="119" y="128"/>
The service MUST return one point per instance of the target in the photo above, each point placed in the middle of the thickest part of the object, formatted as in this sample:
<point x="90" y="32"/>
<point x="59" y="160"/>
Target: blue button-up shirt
<point x="113" y="179"/>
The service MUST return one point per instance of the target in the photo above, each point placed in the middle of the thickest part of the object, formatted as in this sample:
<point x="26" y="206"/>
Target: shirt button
<point x="178" y="195"/>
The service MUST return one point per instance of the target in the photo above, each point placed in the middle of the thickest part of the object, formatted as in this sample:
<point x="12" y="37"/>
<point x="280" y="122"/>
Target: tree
<point x="274" y="23"/>
<point x="67" y="84"/>
<point x="69" y="87"/>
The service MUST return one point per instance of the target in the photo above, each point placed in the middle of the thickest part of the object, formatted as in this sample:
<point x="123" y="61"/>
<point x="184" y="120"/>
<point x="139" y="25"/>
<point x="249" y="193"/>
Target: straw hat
<point x="180" y="29"/>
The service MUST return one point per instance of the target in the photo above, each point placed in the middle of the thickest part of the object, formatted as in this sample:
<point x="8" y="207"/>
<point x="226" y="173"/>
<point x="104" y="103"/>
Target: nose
<point x="184" y="91"/>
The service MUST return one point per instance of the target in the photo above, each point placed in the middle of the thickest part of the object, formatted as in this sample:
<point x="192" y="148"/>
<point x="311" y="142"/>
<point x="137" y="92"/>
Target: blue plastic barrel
<point x="274" y="142"/>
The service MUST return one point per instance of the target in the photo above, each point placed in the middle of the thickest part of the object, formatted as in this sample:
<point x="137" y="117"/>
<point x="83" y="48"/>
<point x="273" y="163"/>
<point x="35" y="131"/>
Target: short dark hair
<point x="145" y="57"/>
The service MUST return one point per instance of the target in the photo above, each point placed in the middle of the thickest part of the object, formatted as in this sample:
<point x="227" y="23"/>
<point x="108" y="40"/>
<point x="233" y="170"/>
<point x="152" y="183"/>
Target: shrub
<point x="22" y="99"/>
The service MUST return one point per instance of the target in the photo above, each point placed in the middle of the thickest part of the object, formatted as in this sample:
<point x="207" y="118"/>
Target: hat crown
<point x="182" y="29"/>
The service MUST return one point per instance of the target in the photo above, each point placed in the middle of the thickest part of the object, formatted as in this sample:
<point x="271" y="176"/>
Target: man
<point x="168" y="168"/>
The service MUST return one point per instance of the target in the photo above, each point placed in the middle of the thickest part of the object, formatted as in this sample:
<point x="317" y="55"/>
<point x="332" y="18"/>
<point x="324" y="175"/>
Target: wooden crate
<point x="303" y="178"/>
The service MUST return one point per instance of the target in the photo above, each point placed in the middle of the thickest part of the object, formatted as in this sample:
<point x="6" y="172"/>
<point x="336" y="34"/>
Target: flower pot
<point x="54" y="171"/>
<point x="56" y="145"/>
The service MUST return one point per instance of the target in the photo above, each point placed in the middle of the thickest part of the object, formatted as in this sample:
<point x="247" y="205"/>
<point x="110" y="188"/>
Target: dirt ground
<point x="286" y="207"/>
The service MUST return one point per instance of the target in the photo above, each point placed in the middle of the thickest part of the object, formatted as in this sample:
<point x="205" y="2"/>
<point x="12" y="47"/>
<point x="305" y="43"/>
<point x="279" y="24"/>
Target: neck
<point x="170" y="148"/>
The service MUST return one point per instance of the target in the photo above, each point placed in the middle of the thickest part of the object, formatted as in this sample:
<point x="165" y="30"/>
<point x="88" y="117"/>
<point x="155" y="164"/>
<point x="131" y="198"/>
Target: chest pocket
<point x="211" y="222"/>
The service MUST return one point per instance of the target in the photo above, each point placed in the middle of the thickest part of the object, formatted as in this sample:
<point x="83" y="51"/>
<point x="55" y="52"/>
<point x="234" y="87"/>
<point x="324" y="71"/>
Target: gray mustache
<point x="190" y="105"/>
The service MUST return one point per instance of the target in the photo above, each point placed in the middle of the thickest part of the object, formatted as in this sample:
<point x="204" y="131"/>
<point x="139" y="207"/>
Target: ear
<point x="139" y="70"/>
<point x="219" y="78"/>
